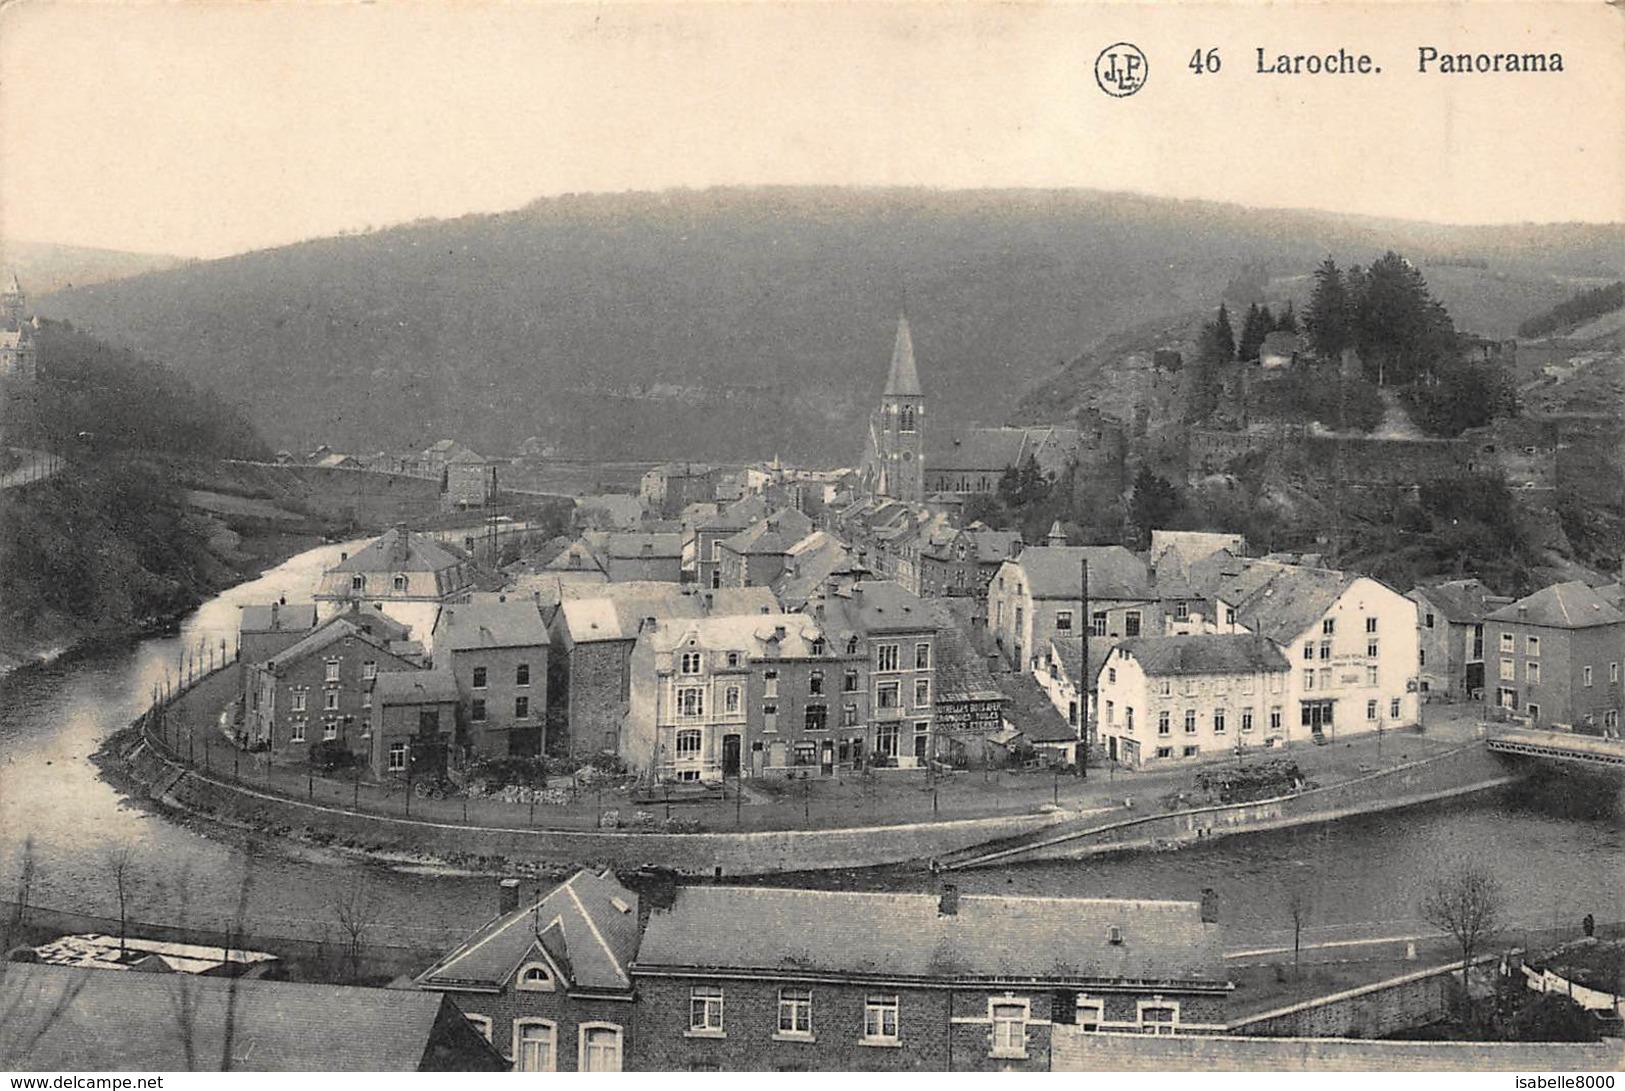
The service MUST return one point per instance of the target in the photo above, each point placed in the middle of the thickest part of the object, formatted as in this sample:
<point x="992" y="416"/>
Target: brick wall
<point x="565" y="1012"/>
<point x="596" y="694"/>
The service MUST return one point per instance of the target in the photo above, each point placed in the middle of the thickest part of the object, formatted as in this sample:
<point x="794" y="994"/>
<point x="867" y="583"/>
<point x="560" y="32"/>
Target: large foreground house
<point x="1558" y="656"/>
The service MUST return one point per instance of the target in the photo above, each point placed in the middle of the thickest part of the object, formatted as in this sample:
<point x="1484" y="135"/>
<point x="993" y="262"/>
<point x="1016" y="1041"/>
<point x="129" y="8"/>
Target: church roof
<point x="904" y="379"/>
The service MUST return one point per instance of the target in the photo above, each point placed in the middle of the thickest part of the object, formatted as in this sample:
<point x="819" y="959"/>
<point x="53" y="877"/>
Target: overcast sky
<point x="210" y="128"/>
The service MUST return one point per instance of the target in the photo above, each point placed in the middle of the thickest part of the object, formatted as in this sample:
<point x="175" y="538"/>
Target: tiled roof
<point x="632" y="545"/>
<point x="588" y="924"/>
<point x="414" y="687"/>
<point x="1206" y="653"/>
<point x="578" y="556"/>
<point x="1031" y="712"/>
<point x="905" y="937"/>
<point x="903" y="379"/>
<point x="877" y="606"/>
<point x="1463" y="602"/>
<point x="282" y="617"/>
<point x="1054" y="572"/>
<point x="513" y="624"/>
<point x="69" y="1018"/>
<point x="398" y="550"/>
<point x="1281" y="601"/>
<point x="1570" y="605"/>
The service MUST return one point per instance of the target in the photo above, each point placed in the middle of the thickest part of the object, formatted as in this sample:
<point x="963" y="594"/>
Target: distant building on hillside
<point x="19" y="360"/>
<point x="470" y="481"/>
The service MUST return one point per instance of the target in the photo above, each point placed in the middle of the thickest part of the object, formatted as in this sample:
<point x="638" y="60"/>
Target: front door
<point x="730" y="756"/>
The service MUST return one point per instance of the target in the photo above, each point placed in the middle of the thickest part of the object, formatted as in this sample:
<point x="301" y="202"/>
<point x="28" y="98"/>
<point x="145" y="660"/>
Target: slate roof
<point x="753" y="634"/>
<point x="1194" y="545"/>
<point x="578" y="556"/>
<point x="903" y="379"/>
<point x="625" y="545"/>
<point x="1030" y="710"/>
<point x="811" y="561"/>
<point x="1462" y="602"/>
<point x="283" y="617"/>
<point x="1069" y="650"/>
<point x="414" y="687"/>
<point x="992" y="449"/>
<point x="616" y="611"/>
<point x="1054" y="572"/>
<point x="1281" y="601"/>
<point x="398" y="550"/>
<point x="993" y="546"/>
<point x="1570" y="605"/>
<point x="1206" y="653"/>
<point x="588" y="925"/>
<point x="736" y="516"/>
<point x="513" y="624"/>
<point x="333" y="631"/>
<point x="877" y="606"/>
<point x="621" y="509"/>
<point x="68" y="1018"/>
<point x="962" y="672"/>
<point x="904" y="937"/>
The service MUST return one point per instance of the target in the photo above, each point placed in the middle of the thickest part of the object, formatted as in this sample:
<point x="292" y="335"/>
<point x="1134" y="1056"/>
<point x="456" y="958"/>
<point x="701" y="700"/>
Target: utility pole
<point x="1085" y="683"/>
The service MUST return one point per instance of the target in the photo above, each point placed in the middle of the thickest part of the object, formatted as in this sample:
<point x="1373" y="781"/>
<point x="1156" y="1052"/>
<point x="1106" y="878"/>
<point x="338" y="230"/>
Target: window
<point x="1428" y="621"/>
<point x="521" y="675"/>
<point x="818" y="645"/>
<point x="817" y="718"/>
<point x="298" y="734"/>
<point x="1534" y="712"/>
<point x="1097" y="623"/>
<point x="1246" y="721"/>
<point x="1370" y="625"/>
<point x="1218" y="721"/>
<point x="1165" y="751"/>
<point x="770" y="683"/>
<point x="1165" y="688"/>
<point x="1325" y="678"/>
<point x="1309" y="651"/>
<point x="770" y="716"/>
<point x="1063" y="620"/>
<point x="1192" y="751"/>
<point x="1371" y="649"/>
<point x="815" y="683"/>
<point x="1182" y="611"/>
<point x="535" y="1045"/>
<point x="705" y="1009"/>
<point x="922" y="692"/>
<point x="688" y="743"/>
<point x="1190" y="721"/>
<point x="887" y="695"/>
<point x="397" y="757"/>
<point x="330" y="700"/>
<point x="1111" y="712"/>
<point x="1309" y="679"/>
<point x="1128" y="719"/>
<point x="795" y="1012"/>
<point x="479" y="678"/>
<point x="690" y="663"/>
<point x="880" y="1019"/>
<point x="849" y="682"/>
<point x="691" y="701"/>
<point x="521" y="708"/>
<point x="1131" y="623"/>
<point x="330" y="731"/>
<point x="1531" y="672"/>
<point x="1478" y="642"/>
<point x="1159" y="1018"/>
<point x="1009" y="1028"/>
<point x="1586" y="675"/>
<point x="1393" y="708"/>
<point x="332" y="673"/>
<point x="730" y="699"/>
<point x="905" y="419"/>
<point x="369" y="670"/>
<point x="1532" y="645"/>
<point x="732" y="659"/>
<point x="1111" y="675"/>
<point x="358" y="583"/>
<point x="1247" y="684"/>
<point x="299" y="697"/>
<point x="481" y="1023"/>
<point x="886" y="657"/>
<point x="1325" y="649"/>
<point x="535" y="977"/>
<point x="1509" y="670"/>
<point x="1162" y="722"/>
<point x="1508" y="642"/>
<point x="476" y="710"/>
<point x="851" y="645"/>
<point x="1613" y="672"/>
<point x="1091" y="1013"/>
<point x="1371" y="710"/>
<point x="1371" y="675"/>
<point x="1328" y="626"/>
<point x="1275" y="718"/>
<point x="849" y="716"/>
<point x="1229" y="615"/>
<point x="600" y="1047"/>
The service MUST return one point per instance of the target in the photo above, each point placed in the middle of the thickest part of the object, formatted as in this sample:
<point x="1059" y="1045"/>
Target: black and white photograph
<point x="812" y="536"/>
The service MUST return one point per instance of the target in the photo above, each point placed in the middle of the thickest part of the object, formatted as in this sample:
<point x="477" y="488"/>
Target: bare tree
<point x="121" y="866"/>
<point x="1299" y="905"/>
<point x="26" y="878"/>
<point x="1466" y="903"/>
<point x="356" y="911"/>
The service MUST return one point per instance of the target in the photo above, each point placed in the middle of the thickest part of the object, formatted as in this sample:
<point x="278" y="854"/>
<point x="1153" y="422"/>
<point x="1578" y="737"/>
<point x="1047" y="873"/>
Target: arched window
<point x="535" y="977"/>
<point x="600" y="1047"/>
<point x="852" y="646"/>
<point x="906" y="419"/>
<point x="535" y="1045"/>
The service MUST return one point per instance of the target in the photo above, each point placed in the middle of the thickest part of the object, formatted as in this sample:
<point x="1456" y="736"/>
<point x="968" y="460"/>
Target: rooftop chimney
<point x="948" y="903"/>
<point x="507" y="896"/>
<point x="1210" y="905"/>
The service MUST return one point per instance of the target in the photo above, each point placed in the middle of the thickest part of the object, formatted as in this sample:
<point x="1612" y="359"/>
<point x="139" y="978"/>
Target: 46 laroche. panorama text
<point x="1430" y="60"/>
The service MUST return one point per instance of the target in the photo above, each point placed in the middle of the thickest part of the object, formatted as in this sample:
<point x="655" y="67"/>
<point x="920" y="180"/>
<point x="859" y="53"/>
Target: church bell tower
<point x="897" y="431"/>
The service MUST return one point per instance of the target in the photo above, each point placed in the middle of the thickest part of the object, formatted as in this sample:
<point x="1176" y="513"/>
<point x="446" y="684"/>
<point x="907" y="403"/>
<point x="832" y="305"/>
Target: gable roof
<point x="76" y="1019"/>
<point x="1055" y="572"/>
<point x="1570" y="605"/>
<point x="1462" y="602"/>
<point x="1280" y="601"/>
<point x="1031" y="711"/>
<point x="961" y="669"/>
<point x="904" y="937"/>
<point x="278" y="617"/>
<point x="516" y="623"/>
<point x="588" y="925"/>
<point x="877" y="606"/>
<point x="1206" y="653"/>
<point x="399" y="550"/>
<point x="623" y="545"/>
<point x="332" y="632"/>
<point x="903" y="379"/>
<point x="1194" y="545"/>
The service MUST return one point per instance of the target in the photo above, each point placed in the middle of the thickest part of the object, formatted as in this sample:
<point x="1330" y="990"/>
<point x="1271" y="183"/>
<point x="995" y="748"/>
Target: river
<point x="1365" y="875"/>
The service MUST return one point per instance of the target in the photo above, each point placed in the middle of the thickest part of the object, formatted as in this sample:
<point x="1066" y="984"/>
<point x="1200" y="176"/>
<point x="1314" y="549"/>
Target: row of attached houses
<point x="923" y="546"/>
<point x="594" y="977"/>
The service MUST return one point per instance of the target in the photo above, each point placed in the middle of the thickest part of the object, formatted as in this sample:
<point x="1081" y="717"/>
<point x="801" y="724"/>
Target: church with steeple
<point x="894" y="465"/>
<point x="17" y="356"/>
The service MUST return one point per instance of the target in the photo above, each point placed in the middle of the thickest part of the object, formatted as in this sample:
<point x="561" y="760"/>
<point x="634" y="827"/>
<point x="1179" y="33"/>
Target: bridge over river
<point x="1562" y="746"/>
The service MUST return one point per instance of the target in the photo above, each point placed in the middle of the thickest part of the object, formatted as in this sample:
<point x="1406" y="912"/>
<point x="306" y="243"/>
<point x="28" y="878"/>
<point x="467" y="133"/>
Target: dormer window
<point x="358" y="583"/>
<point x="535" y="977"/>
<point x="1115" y="936"/>
<point x="691" y="663"/>
<point x="852" y="646"/>
<point x="400" y="583"/>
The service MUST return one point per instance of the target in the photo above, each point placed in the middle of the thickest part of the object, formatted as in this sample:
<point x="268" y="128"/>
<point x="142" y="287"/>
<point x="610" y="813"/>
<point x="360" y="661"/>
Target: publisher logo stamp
<point x="1120" y="70"/>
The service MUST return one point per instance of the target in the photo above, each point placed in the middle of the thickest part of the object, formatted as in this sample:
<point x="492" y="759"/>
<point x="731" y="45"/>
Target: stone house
<point x="1558" y="656"/>
<point x="548" y="982"/>
<point x="402" y="574"/>
<point x="263" y="630"/>
<point x="318" y="690"/>
<point x="414" y="725"/>
<point x="634" y="556"/>
<point x="497" y="651"/>
<point x="760" y="979"/>
<point x="1451" y="617"/>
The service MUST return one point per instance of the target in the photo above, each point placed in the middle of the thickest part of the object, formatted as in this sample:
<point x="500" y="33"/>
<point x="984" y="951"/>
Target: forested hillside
<point x="724" y="324"/>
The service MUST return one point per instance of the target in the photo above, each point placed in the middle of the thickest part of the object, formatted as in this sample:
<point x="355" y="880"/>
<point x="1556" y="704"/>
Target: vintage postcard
<point x="683" y="537"/>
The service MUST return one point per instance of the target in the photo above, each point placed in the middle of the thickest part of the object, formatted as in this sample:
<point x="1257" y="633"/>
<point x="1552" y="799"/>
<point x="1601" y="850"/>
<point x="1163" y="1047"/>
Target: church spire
<point x="904" y="380"/>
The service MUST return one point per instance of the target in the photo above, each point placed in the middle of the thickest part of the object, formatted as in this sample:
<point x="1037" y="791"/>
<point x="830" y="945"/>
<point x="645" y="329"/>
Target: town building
<point x="609" y="511"/>
<point x="669" y="488"/>
<point x="1060" y="673"/>
<point x="759" y="554"/>
<point x="548" y="982"/>
<point x="318" y="690"/>
<point x="403" y="574"/>
<point x="1558" y="656"/>
<point x="414" y="725"/>
<point x="69" y="1018"/>
<point x="627" y="555"/>
<point x="761" y="979"/>
<point x="265" y="629"/>
<point x="497" y="652"/>
<point x="469" y="481"/>
<point x="710" y="531"/>
<point x="1171" y="697"/>
<point x="971" y="460"/>
<point x="19" y="355"/>
<point x="810" y="564"/>
<point x="895" y="633"/>
<point x="1450" y="616"/>
<point x="969" y="705"/>
<point x="1034" y="730"/>
<point x="895" y="463"/>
